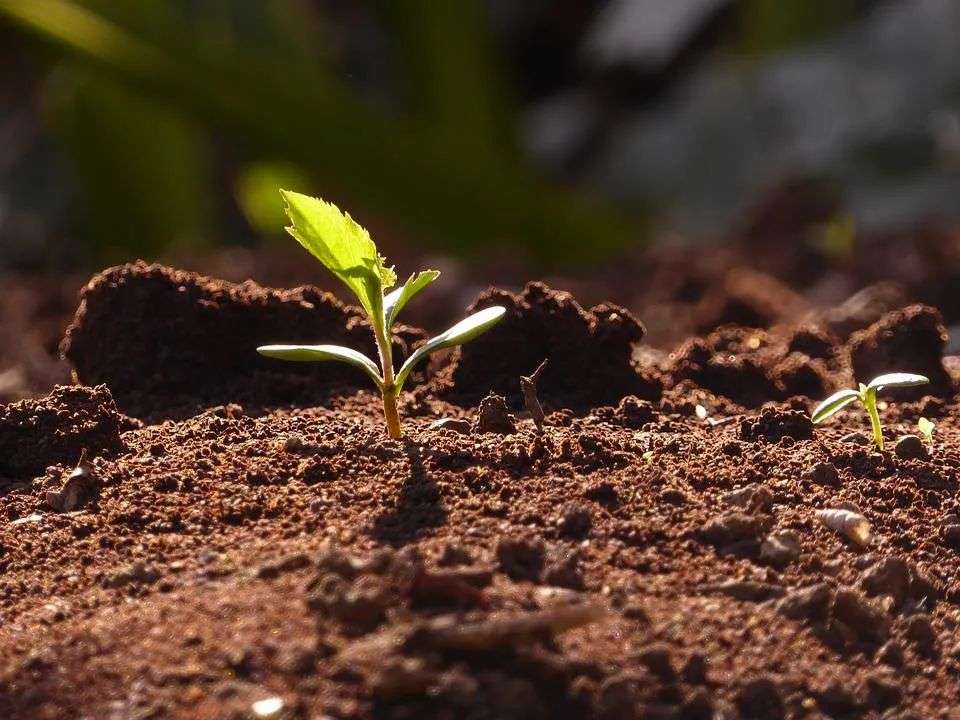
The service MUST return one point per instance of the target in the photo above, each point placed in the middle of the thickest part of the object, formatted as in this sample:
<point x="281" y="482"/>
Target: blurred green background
<point x="557" y="132"/>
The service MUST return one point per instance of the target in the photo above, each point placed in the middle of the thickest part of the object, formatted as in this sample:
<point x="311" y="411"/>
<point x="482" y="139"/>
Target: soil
<point x="249" y="543"/>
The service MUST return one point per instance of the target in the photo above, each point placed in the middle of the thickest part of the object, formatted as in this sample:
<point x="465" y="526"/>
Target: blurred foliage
<point x="141" y="75"/>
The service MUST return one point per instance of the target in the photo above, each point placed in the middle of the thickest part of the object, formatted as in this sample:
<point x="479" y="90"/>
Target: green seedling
<point x="867" y="395"/>
<point x="926" y="428"/>
<point x="347" y="250"/>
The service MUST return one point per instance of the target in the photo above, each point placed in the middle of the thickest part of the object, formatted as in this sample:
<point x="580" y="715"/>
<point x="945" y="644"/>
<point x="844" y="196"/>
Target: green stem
<point x="389" y="389"/>
<point x="870" y="403"/>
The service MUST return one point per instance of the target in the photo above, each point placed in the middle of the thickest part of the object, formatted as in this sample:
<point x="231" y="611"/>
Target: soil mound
<point x="751" y="366"/>
<point x="589" y="352"/>
<point x="908" y="340"/>
<point x="57" y="429"/>
<point x="160" y="337"/>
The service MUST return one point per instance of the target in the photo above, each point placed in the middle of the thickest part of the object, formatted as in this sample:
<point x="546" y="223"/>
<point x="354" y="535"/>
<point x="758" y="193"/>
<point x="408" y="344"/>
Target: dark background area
<point x="550" y="132"/>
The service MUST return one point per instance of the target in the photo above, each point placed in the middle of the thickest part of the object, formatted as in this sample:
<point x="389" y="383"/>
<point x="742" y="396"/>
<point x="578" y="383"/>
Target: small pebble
<point x="823" y="473"/>
<point x="910" y="447"/>
<point x="456" y="425"/>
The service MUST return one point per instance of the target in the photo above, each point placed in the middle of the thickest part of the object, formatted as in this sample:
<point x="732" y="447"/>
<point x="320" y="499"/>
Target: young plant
<point x="347" y="251"/>
<point x="926" y="428"/>
<point x="867" y="395"/>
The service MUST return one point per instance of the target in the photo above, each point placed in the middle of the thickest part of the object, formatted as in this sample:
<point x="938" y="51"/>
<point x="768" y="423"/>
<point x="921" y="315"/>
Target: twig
<point x="528" y="385"/>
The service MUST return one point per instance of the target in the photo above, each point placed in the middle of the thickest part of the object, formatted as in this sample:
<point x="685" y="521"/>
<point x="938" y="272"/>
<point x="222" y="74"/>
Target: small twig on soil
<point x="528" y="385"/>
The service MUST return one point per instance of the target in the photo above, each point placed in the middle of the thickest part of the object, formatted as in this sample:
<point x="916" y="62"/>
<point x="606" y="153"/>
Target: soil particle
<point x="883" y="692"/>
<point x="186" y="338"/>
<point x="781" y="548"/>
<point x="865" y="618"/>
<point x="58" y="429"/>
<point x="658" y="659"/>
<point x="752" y="498"/>
<point x="919" y="631"/>
<point x="634" y="413"/>
<point x="493" y="416"/>
<point x="773" y="424"/>
<point x="823" y="473"/>
<point x="761" y="699"/>
<point x="727" y="529"/>
<point x="521" y="558"/>
<point x="908" y="340"/>
<point x="910" y="447"/>
<point x="79" y="488"/>
<point x="589" y="352"/>
<point x="575" y="520"/>
<point x="889" y="576"/>
<point x="810" y="604"/>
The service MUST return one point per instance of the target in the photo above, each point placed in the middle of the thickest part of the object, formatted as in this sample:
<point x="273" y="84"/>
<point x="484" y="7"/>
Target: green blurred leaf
<point x="833" y="404"/>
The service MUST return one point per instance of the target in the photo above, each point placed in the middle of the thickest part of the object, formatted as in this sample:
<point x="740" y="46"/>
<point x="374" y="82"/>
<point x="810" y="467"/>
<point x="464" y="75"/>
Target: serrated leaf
<point x="897" y="380"/>
<point x="462" y="332"/>
<point x="319" y="353"/>
<point x="395" y="301"/>
<point x="832" y="404"/>
<point x="343" y="246"/>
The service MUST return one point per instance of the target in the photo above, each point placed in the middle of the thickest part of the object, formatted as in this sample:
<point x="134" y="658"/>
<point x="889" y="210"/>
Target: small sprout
<point x="852" y="525"/>
<point x="926" y="428"/>
<point x="347" y="250"/>
<point x="867" y="395"/>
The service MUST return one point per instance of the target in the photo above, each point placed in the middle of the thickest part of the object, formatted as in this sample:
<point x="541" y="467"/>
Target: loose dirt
<point x="654" y="552"/>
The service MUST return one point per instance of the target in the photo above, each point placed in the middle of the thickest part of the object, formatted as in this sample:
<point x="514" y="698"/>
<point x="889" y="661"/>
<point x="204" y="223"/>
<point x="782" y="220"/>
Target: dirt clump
<point x="908" y="340"/>
<point x="58" y="429"/>
<point x="157" y="335"/>
<point x="589" y="352"/>
<point x="749" y="298"/>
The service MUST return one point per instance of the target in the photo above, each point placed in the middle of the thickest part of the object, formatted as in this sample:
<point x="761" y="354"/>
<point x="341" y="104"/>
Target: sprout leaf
<point x="314" y="353"/>
<point x="462" y="332"/>
<point x="394" y="302"/>
<point x="897" y="380"/>
<point x="343" y="246"/>
<point x="832" y="404"/>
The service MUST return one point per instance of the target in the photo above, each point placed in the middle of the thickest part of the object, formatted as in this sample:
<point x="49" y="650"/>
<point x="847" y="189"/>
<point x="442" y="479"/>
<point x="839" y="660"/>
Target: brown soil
<point x="656" y="557"/>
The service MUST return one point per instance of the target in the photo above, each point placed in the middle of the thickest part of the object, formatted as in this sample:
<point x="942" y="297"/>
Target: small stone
<point x="808" y="603"/>
<point x="695" y="669"/>
<point x="891" y="653"/>
<point x="672" y="496"/>
<point x="889" y="576"/>
<point x="919" y="630"/>
<point x="951" y="534"/>
<point x="520" y="558"/>
<point x="494" y="416"/>
<point x="863" y="617"/>
<point x="733" y="527"/>
<point x="855" y="438"/>
<point x="883" y="693"/>
<point x="754" y="497"/>
<point x="823" y="473"/>
<point x="910" y="447"/>
<point x="456" y="425"/>
<point x="576" y="520"/>
<point x="270" y="707"/>
<point x="658" y="660"/>
<point x="780" y="548"/>
<point x="698" y="705"/>
<point x="761" y="698"/>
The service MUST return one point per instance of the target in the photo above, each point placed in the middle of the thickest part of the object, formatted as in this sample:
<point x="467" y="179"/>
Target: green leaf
<point x="462" y="332"/>
<point x="926" y="427"/>
<point x="832" y="404"/>
<point x="317" y="353"/>
<point x="343" y="246"/>
<point x="897" y="380"/>
<point x="395" y="301"/>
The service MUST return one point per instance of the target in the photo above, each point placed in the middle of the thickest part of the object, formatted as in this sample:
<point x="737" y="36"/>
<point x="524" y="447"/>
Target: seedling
<point x="867" y="395"/>
<point x="347" y="250"/>
<point x="926" y="428"/>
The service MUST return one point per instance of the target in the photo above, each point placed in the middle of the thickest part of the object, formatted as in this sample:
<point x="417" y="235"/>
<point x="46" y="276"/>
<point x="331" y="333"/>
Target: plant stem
<point x="389" y="390"/>
<point x="870" y="403"/>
